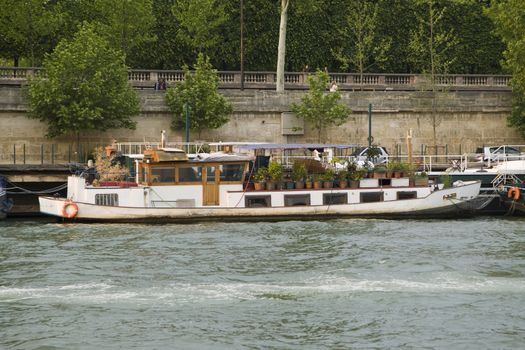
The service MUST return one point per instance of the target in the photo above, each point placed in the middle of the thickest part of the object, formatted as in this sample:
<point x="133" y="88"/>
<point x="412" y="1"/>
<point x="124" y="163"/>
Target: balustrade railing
<point x="141" y="78"/>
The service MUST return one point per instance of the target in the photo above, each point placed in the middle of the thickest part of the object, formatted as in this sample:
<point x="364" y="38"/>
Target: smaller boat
<point x="493" y="178"/>
<point x="171" y="187"/>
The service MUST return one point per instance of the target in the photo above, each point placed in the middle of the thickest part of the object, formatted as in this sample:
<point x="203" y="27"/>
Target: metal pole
<point x="14" y="153"/>
<point x="370" y="137"/>
<point x="24" y="149"/>
<point x="242" y="45"/>
<point x="52" y="153"/>
<point x="187" y="109"/>
<point x="42" y="153"/>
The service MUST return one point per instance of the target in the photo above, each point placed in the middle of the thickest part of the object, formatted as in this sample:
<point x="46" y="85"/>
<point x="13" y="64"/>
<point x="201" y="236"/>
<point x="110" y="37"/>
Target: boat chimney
<point x="163" y="139"/>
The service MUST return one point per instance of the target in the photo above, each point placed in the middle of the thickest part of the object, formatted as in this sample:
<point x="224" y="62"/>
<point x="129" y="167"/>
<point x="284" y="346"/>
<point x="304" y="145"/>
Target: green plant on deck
<point x="275" y="171"/>
<point x="261" y="175"/>
<point x="342" y="175"/>
<point x="299" y="171"/>
<point x="380" y="169"/>
<point x="357" y="175"/>
<point x="328" y="175"/>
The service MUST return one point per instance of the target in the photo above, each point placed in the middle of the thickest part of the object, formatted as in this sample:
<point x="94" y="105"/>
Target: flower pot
<point x="328" y="184"/>
<point x="290" y="185"/>
<point x="299" y="185"/>
<point x="259" y="186"/>
<point x="343" y="184"/>
<point x="308" y="184"/>
<point x="318" y="185"/>
<point x="270" y="186"/>
<point x="354" y="183"/>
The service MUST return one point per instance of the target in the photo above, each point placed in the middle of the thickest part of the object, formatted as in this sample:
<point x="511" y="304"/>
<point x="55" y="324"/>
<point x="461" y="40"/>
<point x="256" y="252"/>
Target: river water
<point x="335" y="284"/>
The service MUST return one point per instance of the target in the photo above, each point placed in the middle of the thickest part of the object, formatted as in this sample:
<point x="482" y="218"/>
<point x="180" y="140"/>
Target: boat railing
<point x="426" y="163"/>
<point x="133" y="148"/>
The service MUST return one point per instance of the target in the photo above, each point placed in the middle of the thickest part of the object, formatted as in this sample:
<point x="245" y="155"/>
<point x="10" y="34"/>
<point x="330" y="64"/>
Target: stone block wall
<point x="459" y="121"/>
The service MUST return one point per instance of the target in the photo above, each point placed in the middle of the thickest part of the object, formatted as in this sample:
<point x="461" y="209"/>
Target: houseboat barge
<point x="170" y="187"/>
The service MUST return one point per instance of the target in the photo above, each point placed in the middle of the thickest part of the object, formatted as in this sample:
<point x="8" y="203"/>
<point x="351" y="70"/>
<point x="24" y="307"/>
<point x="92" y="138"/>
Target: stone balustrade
<point x="145" y="79"/>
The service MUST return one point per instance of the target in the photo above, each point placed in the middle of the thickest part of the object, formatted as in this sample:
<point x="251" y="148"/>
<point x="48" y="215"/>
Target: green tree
<point x="200" y="21"/>
<point x="199" y="91"/>
<point x="361" y="31"/>
<point x="509" y="18"/>
<point x="85" y="87"/>
<point x="432" y="42"/>
<point x="126" y="25"/>
<point x="28" y="28"/>
<point x="319" y="107"/>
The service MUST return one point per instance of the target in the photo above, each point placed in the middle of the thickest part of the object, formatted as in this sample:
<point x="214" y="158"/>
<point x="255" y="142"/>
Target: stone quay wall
<point x="455" y="122"/>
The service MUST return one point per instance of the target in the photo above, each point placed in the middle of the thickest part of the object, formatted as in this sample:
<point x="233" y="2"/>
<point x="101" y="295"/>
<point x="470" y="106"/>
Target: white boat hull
<point x="445" y="202"/>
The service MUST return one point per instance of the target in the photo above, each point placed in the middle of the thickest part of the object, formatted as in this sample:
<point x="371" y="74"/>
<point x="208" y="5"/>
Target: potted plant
<point x="379" y="172"/>
<point x="259" y="178"/>
<point x="328" y="178"/>
<point x="391" y="168"/>
<point x="275" y="172"/>
<point x="355" y="177"/>
<point x="308" y="183"/>
<point x="342" y="177"/>
<point x="317" y="181"/>
<point x="421" y="179"/>
<point x="299" y="174"/>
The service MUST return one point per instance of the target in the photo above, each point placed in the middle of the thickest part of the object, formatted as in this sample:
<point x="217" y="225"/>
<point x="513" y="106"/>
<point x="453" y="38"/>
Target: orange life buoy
<point x="70" y="209"/>
<point x="514" y="192"/>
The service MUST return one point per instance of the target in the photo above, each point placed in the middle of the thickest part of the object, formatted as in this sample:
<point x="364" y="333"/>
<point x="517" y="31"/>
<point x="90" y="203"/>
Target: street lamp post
<point x="187" y="110"/>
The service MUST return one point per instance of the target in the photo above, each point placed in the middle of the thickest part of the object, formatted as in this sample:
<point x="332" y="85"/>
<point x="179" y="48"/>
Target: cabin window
<point x="210" y="174"/>
<point x="162" y="174"/>
<point x="406" y="194"/>
<point x="107" y="199"/>
<point x="291" y="200"/>
<point x="335" y="198"/>
<point x="258" y="201"/>
<point x="368" y="197"/>
<point x="231" y="172"/>
<point x="142" y="174"/>
<point x="190" y="174"/>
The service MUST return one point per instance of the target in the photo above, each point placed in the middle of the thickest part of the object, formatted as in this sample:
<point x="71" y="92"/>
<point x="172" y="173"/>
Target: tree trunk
<point x="281" y="53"/>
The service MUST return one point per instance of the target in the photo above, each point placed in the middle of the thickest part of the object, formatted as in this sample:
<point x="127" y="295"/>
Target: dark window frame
<point x="267" y="199"/>
<point x="371" y="197"/>
<point x="328" y="198"/>
<point x="297" y="197"/>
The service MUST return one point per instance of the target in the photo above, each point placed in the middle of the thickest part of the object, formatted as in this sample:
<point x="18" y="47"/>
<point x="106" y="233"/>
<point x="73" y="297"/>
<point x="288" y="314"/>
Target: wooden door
<point x="211" y="186"/>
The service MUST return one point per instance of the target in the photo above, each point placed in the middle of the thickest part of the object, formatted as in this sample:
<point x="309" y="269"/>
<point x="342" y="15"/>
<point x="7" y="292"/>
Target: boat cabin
<point x="212" y="175"/>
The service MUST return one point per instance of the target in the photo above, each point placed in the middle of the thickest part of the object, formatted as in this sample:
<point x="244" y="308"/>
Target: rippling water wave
<point x="357" y="283"/>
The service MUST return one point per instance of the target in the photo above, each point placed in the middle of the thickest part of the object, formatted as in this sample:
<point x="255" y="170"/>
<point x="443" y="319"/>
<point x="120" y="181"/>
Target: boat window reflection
<point x="190" y="174"/>
<point x="231" y="172"/>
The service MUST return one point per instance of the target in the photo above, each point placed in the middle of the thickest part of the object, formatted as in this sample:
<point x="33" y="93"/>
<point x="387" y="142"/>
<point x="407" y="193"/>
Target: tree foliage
<point x="366" y="46"/>
<point x="166" y="34"/>
<point x="431" y="42"/>
<point x="85" y="87"/>
<point x="126" y="25"/>
<point x="199" y="91"/>
<point x="28" y="29"/>
<point x="199" y="23"/>
<point x="320" y="107"/>
<point x="509" y="18"/>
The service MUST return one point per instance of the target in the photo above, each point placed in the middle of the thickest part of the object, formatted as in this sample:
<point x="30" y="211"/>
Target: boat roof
<point x="220" y="157"/>
<point x="296" y="145"/>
